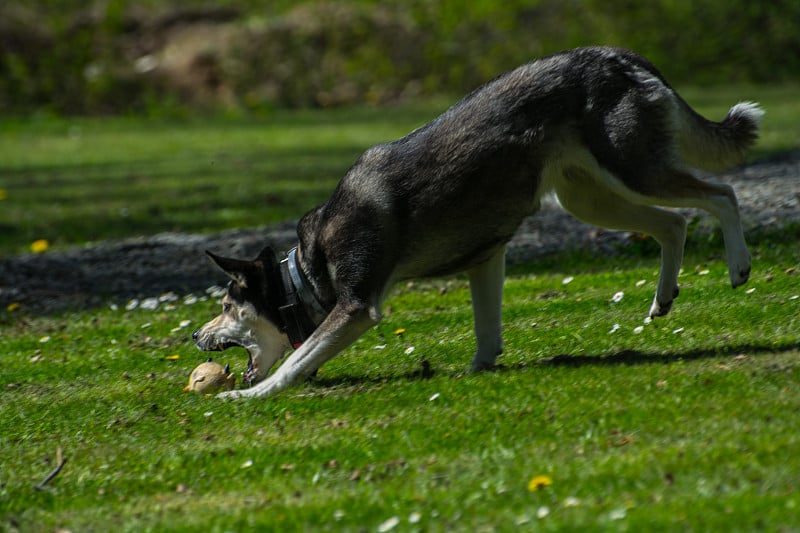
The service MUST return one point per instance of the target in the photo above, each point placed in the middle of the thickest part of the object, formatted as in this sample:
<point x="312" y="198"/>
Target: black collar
<point x="302" y="312"/>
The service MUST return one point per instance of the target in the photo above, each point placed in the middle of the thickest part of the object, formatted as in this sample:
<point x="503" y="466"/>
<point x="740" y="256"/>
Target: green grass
<point x="71" y="181"/>
<point x="691" y="423"/>
<point x="75" y="180"/>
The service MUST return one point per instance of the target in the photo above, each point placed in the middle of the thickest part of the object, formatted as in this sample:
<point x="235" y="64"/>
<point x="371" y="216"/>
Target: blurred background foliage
<point x="154" y="57"/>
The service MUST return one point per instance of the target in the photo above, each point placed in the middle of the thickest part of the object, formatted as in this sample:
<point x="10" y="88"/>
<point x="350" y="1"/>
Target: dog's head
<point x="250" y="315"/>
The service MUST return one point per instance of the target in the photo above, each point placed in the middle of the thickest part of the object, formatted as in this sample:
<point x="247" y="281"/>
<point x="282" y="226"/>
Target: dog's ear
<point x="236" y="269"/>
<point x="268" y="259"/>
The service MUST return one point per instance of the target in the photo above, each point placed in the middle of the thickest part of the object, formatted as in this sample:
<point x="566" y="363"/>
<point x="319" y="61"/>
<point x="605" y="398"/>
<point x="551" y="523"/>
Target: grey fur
<point x="598" y="126"/>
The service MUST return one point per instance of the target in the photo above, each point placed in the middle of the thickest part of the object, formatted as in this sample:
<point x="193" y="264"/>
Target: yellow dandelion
<point x="173" y="357"/>
<point x="13" y="306"/>
<point x="39" y="246"/>
<point x="3" y="194"/>
<point x="539" y="483"/>
<point x="399" y="331"/>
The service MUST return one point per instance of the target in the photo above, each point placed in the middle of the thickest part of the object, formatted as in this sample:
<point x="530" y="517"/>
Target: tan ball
<point x="210" y="378"/>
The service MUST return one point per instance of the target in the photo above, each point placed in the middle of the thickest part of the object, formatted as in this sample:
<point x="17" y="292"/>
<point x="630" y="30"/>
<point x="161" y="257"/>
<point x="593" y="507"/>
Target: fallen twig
<point x="60" y="464"/>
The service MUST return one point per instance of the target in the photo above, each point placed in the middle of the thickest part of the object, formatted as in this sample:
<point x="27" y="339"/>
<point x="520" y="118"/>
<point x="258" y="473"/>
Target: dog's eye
<point x="226" y="307"/>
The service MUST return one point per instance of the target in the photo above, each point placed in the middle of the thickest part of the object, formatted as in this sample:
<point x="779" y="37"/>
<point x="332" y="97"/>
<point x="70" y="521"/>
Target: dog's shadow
<point x="636" y="357"/>
<point x="623" y="357"/>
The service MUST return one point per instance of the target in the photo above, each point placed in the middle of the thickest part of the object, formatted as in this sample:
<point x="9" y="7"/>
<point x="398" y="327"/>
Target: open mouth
<point x="249" y="376"/>
<point x="227" y="344"/>
<point x="220" y="346"/>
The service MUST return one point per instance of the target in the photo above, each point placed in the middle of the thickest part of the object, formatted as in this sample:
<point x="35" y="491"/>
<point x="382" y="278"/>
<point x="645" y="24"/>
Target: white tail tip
<point x="749" y="110"/>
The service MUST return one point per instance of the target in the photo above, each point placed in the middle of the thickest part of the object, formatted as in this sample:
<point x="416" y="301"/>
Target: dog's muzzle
<point x="218" y="346"/>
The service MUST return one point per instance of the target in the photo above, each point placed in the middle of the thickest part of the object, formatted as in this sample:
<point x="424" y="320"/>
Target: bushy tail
<point x="709" y="145"/>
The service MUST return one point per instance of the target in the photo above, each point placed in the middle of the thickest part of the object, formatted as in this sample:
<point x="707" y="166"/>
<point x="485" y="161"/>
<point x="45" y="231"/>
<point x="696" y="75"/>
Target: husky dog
<point x="599" y="127"/>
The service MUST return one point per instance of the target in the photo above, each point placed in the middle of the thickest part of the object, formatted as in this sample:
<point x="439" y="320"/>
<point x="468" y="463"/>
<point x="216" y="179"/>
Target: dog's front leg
<point x="342" y="326"/>
<point x="486" y="287"/>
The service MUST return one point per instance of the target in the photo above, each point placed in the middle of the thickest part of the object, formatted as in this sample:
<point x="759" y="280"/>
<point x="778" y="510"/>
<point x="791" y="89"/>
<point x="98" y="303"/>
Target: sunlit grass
<point x="689" y="423"/>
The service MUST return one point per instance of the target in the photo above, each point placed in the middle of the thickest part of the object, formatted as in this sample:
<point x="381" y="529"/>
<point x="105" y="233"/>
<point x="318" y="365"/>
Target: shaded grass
<point x="76" y="180"/>
<point x="691" y="423"/>
<point x="90" y="179"/>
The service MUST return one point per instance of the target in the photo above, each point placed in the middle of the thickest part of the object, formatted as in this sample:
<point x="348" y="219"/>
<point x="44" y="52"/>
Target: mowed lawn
<point x="76" y="180"/>
<point x="596" y="421"/>
<point x="70" y="181"/>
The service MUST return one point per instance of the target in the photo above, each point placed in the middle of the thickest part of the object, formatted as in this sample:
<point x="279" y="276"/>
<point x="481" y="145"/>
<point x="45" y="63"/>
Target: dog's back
<point x="448" y="194"/>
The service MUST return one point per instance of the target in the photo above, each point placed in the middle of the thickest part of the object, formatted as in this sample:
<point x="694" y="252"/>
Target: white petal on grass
<point x="676" y="331"/>
<point x="613" y="329"/>
<point x="151" y="304"/>
<point x="183" y="324"/>
<point x="542" y="512"/>
<point x="571" y="501"/>
<point x="617" y="297"/>
<point x="638" y="329"/>
<point x="409" y="350"/>
<point x="190" y="299"/>
<point x="617" y="514"/>
<point x="794" y="297"/>
<point x="388" y="524"/>
<point x="567" y="280"/>
<point x="247" y="464"/>
<point x="414" y="518"/>
<point x="648" y="319"/>
<point x="751" y="290"/>
<point x="435" y="395"/>
<point x="641" y="282"/>
<point x="522" y="520"/>
<point x="703" y="272"/>
<point x="44" y="339"/>
<point x="132" y="304"/>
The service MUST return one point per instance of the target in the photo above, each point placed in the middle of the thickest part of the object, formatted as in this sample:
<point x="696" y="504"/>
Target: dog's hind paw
<point x="659" y="309"/>
<point x="662" y="308"/>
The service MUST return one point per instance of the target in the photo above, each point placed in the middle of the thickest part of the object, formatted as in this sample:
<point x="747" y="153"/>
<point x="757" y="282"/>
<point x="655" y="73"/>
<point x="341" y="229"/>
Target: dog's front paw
<point x="482" y="366"/>
<point x="231" y="395"/>
<point x="739" y="267"/>
<point x="740" y="275"/>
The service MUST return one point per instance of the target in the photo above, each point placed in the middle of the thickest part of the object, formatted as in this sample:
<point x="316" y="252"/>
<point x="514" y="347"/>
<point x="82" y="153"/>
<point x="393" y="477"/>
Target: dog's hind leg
<point x="681" y="189"/>
<point x="342" y="327"/>
<point x="486" y="287"/>
<point x="589" y="200"/>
